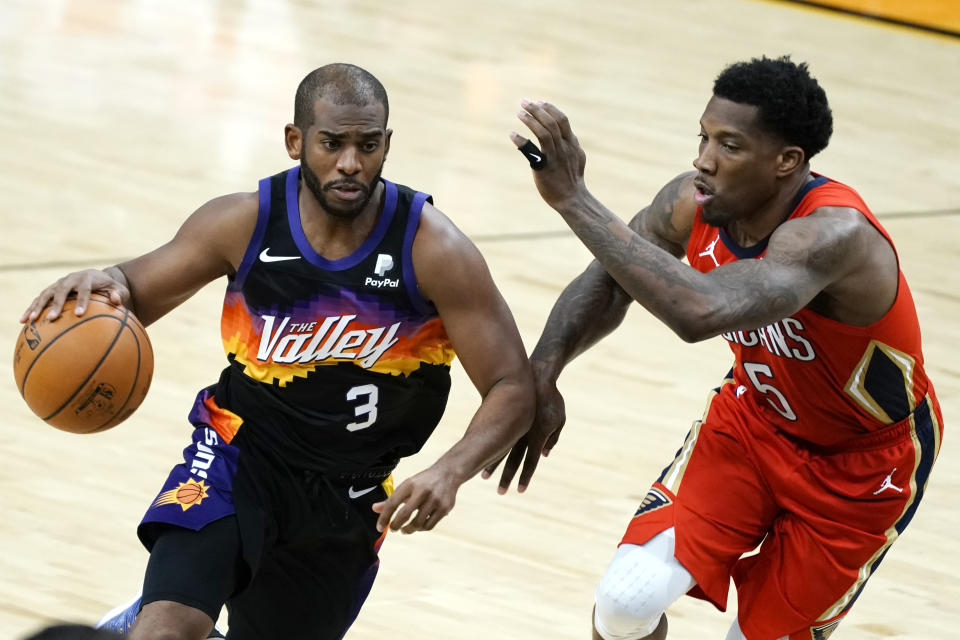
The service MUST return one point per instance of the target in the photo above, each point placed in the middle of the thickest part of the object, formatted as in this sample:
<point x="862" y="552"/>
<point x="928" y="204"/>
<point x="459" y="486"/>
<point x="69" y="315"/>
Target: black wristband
<point x="533" y="155"/>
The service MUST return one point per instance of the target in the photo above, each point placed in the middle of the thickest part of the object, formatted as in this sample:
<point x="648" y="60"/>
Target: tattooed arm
<point x="594" y="304"/>
<point x="590" y="307"/>
<point x="819" y="254"/>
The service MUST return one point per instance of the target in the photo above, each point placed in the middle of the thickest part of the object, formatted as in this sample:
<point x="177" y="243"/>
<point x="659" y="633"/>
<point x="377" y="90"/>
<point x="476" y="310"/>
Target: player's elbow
<point x="695" y="325"/>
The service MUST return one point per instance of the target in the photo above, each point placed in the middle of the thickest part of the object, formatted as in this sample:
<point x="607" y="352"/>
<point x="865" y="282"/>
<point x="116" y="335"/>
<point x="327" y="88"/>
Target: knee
<point x="614" y="621"/>
<point x="632" y="596"/>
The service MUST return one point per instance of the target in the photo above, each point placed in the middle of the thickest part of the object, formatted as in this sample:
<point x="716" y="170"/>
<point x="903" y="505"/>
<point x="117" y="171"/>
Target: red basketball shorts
<point x="825" y="517"/>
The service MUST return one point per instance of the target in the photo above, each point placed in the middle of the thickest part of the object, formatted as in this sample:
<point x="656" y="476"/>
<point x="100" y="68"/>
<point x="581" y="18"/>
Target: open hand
<point x="560" y="181"/>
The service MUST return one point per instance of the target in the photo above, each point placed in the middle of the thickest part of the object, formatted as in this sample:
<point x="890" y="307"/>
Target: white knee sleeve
<point x="639" y="585"/>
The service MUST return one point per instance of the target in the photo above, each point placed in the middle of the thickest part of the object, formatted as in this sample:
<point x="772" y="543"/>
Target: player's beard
<point x="319" y="191"/>
<point x="714" y="217"/>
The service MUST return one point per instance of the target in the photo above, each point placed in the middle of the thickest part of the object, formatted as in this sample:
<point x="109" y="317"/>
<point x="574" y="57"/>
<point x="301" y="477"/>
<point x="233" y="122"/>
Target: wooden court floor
<point x="119" y="117"/>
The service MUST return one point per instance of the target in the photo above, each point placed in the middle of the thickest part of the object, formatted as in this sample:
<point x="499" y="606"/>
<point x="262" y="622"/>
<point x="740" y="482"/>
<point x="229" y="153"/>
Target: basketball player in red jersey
<point x="347" y="296"/>
<point x="818" y="444"/>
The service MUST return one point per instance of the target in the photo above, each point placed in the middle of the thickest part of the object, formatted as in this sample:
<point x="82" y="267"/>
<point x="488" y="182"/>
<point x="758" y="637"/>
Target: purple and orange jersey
<point x="336" y="363"/>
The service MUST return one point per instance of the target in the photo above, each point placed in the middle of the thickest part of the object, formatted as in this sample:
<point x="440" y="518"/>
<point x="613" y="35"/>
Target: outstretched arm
<point x="594" y="304"/>
<point x="453" y="275"/>
<point x="803" y="256"/>
<point x="210" y="244"/>
<point x="590" y="308"/>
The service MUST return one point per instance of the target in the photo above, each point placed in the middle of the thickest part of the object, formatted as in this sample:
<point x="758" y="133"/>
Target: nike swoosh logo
<point x="536" y="157"/>
<point x="266" y="257"/>
<point x="356" y="494"/>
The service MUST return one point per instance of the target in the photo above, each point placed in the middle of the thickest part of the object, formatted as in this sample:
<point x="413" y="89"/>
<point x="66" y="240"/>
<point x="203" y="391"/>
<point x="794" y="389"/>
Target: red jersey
<point x="812" y="377"/>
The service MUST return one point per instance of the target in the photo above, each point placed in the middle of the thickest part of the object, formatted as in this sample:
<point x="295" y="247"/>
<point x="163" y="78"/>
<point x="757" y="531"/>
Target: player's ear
<point x="293" y="138"/>
<point x="386" y="141"/>
<point x="789" y="160"/>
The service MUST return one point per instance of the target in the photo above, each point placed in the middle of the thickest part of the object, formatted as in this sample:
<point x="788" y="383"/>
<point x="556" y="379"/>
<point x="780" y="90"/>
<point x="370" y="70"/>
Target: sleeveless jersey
<point x="817" y="379"/>
<point x="334" y="364"/>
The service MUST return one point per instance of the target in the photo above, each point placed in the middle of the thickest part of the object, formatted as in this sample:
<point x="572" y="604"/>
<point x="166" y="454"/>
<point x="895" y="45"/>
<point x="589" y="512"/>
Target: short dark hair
<point x="340" y="83"/>
<point x="73" y="632"/>
<point x="791" y="104"/>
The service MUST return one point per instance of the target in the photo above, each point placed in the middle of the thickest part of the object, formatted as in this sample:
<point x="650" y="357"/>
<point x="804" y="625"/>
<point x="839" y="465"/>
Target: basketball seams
<point x="103" y="357"/>
<point x="36" y="358"/>
<point x="136" y="377"/>
<point x="114" y="369"/>
<point x="23" y="383"/>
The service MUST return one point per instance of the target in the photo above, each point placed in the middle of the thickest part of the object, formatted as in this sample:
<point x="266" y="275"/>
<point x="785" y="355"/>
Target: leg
<point x="639" y="585"/>
<point x="838" y="525"/>
<point x="312" y="585"/>
<point x="164" y="620"/>
<point x="189" y="576"/>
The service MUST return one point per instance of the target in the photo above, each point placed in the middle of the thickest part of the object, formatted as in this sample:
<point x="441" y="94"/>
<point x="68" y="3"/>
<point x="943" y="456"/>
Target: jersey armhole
<point x="419" y="303"/>
<point x="263" y="214"/>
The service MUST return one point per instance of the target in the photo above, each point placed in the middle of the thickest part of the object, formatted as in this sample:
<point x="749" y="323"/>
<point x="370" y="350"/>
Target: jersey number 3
<point x="368" y="409"/>
<point x="774" y="396"/>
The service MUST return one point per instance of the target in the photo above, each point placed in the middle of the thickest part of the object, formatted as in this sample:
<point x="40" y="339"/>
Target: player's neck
<point x="757" y="227"/>
<point x="335" y="237"/>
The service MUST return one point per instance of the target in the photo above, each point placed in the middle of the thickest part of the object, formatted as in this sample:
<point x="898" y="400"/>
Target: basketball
<point x="86" y="373"/>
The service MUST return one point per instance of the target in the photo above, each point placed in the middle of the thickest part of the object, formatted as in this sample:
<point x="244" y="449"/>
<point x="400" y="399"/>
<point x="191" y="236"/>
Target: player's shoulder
<point x="439" y="233"/>
<point x="443" y="255"/>
<point x="224" y="223"/>
<point x="233" y="205"/>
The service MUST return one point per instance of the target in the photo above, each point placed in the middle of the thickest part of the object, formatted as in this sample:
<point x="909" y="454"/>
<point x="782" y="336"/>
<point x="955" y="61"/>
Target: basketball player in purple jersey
<point x="347" y="296"/>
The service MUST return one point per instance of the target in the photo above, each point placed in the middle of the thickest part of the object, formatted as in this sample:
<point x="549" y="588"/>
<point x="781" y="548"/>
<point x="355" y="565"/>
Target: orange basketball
<point x="84" y="374"/>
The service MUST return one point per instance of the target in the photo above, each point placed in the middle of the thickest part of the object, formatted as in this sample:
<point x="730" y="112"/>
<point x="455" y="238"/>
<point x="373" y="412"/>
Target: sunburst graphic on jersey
<point x="186" y="494"/>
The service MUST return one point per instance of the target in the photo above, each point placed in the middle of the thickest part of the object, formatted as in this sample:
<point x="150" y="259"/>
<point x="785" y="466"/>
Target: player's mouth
<point x="348" y="191"/>
<point x="703" y="192"/>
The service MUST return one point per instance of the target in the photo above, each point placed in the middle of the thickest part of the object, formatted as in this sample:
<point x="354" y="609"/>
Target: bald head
<point x="341" y="84"/>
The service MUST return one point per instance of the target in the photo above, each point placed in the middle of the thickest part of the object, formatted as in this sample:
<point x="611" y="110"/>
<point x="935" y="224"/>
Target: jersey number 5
<point x="777" y="401"/>
<point x="367" y="409"/>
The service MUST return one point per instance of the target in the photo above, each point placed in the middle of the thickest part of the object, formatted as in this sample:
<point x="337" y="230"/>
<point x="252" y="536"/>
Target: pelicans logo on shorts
<point x="186" y="494"/>
<point x="655" y="499"/>
<point x="824" y="631"/>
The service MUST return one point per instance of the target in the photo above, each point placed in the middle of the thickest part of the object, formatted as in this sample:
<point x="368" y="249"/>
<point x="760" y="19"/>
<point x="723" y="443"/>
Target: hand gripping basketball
<point x="84" y="373"/>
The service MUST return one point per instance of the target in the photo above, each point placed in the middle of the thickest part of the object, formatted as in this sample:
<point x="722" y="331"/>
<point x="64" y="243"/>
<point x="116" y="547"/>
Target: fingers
<point x="421" y="511"/>
<point x="388" y="506"/>
<point x="518" y="139"/>
<point x="512" y="465"/>
<point x="489" y="469"/>
<point x="529" y="466"/>
<point x="81" y="282"/>
<point x="563" y="123"/>
<point x="531" y="116"/>
<point x="552" y="441"/>
<point x="547" y="122"/>
<point x="83" y="295"/>
<point x="33" y="311"/>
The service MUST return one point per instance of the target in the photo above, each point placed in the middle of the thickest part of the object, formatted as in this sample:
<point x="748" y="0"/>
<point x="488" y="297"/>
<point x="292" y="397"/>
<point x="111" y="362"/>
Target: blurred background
<point x="119" y="117"/>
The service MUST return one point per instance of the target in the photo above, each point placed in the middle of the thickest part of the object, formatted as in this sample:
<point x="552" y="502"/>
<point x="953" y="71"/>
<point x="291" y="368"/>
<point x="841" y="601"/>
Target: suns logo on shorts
<point x="655" y="499"/>
<point x="824" y="631"/>
<point x="186" y="494"/>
